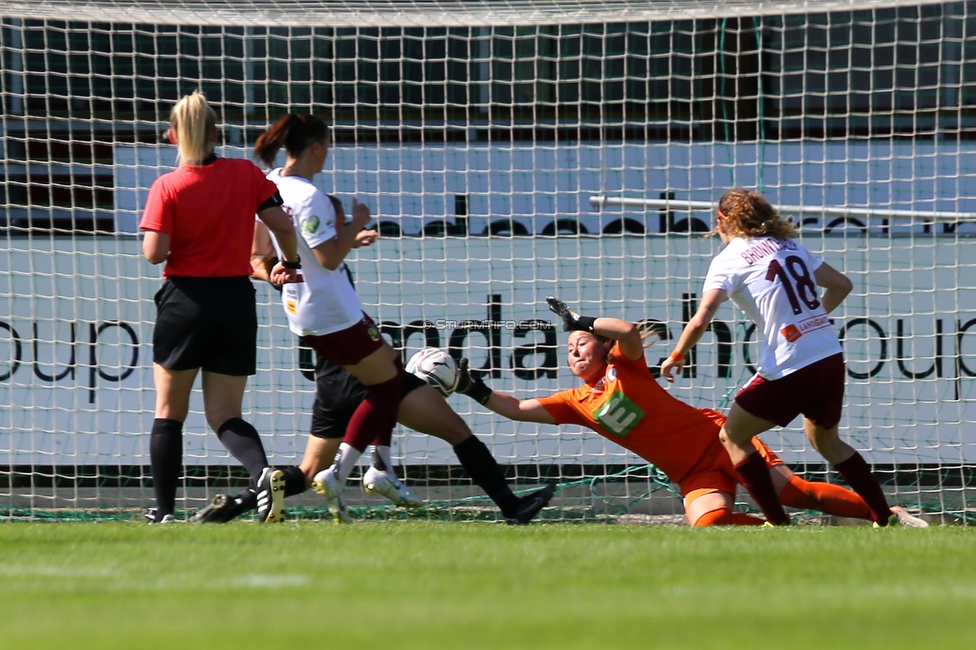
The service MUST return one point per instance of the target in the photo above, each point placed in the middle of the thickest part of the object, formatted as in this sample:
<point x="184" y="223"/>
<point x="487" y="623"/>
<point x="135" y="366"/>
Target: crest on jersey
<point x="619" y="415"/>
<point x="311" y="224"/>
<point x="373" y="332"/>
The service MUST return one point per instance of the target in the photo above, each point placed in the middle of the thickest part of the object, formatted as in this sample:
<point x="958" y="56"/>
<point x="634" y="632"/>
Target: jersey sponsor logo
<point x="813" y="323"/>
<point x="618" y="414"/>
<point x="793" y="332"/>
<point x="311" y="224"/>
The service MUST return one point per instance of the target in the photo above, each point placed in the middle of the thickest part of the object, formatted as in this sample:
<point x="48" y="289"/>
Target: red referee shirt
<point x="208" y="212"/>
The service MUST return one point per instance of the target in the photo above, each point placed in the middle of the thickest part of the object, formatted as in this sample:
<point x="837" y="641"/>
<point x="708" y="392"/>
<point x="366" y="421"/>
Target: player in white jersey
<point x="776" y="282"/>
<point x="324" y="309"/>
<point x="324" y="302"/>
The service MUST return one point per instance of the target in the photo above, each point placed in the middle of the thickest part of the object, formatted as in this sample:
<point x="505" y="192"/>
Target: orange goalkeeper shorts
<point x="715" y="472"/>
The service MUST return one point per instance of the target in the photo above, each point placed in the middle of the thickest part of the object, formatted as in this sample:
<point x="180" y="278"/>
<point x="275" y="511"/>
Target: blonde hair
<point x="192" y="120"/>
<point x="749" y="214"/>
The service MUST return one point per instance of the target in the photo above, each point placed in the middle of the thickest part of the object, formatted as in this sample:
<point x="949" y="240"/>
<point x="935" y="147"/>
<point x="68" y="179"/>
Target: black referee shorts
<point x="337" y="396"/>
<point x="208" y="323"/>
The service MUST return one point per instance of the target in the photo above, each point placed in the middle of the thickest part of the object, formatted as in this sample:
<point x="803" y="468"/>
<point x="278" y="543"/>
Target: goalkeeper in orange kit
<point x="622" y="401"/>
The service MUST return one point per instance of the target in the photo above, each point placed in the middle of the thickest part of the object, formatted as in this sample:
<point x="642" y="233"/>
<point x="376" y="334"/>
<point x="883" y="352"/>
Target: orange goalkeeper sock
<point x="827" y="498"/>
<point x="722" y="517"/>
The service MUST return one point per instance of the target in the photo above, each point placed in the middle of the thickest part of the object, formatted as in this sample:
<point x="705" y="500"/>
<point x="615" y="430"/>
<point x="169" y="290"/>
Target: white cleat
<point x="907" y="519"/>
<point x="388" y="485"/>
<point x="326" y="484"/>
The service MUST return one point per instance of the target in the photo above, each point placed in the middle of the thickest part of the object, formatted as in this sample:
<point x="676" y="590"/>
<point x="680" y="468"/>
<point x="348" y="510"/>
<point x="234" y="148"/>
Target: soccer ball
<point x="437" y="368"/>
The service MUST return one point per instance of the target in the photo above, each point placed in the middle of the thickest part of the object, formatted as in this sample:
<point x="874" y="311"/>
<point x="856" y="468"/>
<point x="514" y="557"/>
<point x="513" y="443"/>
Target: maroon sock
<point x="858" y="475"/>
<point x="756" y="479"/>
<point x="374" y="419"/>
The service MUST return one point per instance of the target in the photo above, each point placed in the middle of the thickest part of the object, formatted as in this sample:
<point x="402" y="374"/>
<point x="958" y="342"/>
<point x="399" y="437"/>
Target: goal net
<point x="510" y="150"/>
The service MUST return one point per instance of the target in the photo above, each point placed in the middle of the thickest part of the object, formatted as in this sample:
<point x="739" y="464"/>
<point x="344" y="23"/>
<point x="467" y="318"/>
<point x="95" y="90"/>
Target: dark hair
<point x="294" y="132"/>
<point x="749" y="214"/>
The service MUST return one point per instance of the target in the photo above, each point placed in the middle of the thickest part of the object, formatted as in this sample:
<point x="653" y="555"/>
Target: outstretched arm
<point x="694" y="330"/>
<point x="526" y="410"/>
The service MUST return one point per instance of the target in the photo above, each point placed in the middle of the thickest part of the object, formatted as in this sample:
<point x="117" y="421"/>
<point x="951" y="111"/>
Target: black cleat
<point x="529" y="506"/>
<point x="271" y="496"/>
<point x="152" y="514"/>
<point x="222" y="508"/>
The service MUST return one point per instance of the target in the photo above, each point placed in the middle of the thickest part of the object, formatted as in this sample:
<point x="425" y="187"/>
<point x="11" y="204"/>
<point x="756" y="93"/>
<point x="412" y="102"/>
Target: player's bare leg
<point x="736" y="436"/>
<point x="319" y="453"/>
<point x="715" y="509"/>
<point x="424" y="410"/>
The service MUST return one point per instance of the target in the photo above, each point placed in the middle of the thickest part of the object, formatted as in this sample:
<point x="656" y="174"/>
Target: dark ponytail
<point x="294" y="132"/>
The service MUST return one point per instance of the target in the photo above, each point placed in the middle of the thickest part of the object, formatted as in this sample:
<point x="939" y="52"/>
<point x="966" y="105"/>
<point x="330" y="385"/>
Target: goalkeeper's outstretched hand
<point x="471" y="384"/>
<point x="571" y="320"/>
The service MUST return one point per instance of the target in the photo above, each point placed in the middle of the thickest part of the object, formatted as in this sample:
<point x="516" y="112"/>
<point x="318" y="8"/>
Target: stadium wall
<point x="535" y="184"/>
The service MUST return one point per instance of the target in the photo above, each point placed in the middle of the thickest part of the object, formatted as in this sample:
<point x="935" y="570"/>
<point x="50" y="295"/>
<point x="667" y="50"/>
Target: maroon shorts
<point x="349" y="346"/>
<point x="816" y="391"/>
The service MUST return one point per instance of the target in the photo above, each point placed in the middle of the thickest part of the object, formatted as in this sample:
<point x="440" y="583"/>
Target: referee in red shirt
<point x="199" y="220"/>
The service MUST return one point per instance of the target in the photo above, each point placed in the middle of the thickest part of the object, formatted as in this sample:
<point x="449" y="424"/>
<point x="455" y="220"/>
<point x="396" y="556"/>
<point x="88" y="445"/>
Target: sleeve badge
<point x="311" y="224"/>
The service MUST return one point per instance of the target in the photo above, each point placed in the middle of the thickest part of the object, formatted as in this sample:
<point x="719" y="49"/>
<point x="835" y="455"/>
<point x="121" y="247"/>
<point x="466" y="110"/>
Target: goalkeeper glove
<point x="471" y="384"/>
<point x="571" y="320"/>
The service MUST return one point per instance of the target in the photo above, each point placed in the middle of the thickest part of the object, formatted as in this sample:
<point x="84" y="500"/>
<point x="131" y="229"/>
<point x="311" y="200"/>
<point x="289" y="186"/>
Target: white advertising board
<point x="76" y="329"/>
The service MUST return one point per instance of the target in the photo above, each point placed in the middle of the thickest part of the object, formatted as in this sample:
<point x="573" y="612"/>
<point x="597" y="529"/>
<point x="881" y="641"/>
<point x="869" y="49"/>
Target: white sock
<point x="345" y="461"/>
<point x="382" y="454"/>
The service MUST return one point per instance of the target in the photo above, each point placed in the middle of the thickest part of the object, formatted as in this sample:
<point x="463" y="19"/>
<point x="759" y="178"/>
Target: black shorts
<point x="208" y="323"/>
<point x="337" y="396"/>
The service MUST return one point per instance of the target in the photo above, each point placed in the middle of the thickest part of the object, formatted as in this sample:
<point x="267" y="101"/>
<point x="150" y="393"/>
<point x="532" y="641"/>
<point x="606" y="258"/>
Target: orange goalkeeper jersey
<point x="629" y="407"/>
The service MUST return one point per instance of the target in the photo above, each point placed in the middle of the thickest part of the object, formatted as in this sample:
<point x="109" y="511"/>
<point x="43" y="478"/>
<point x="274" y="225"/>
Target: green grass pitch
<point x="476" y="585"/>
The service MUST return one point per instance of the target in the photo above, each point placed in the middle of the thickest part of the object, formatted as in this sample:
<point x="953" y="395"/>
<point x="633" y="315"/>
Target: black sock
<point x="480" y="465"/>
<point x="244" y="444"/>
<point x="166" y="461"/>
<point x="295" y="482"/>
<point x="248" y="500"/>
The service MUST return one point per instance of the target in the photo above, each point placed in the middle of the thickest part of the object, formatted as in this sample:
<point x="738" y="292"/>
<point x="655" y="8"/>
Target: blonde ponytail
<point x="192" y="120"/>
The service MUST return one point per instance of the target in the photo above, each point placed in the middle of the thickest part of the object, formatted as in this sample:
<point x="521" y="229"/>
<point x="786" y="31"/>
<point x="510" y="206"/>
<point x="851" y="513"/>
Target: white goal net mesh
<point x="510" y="150"/>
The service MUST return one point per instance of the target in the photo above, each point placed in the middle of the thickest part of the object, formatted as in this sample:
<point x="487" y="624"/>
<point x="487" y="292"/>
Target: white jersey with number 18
<point x="772" y="281"/>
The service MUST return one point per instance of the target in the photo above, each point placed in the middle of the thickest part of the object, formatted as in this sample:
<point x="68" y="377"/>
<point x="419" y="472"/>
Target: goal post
<point x="801" y="211"/>
<point x="509" y="150"/>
